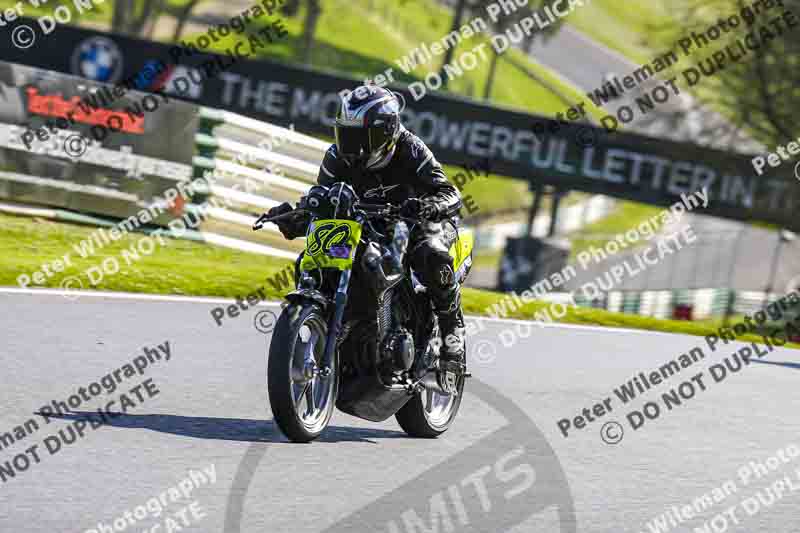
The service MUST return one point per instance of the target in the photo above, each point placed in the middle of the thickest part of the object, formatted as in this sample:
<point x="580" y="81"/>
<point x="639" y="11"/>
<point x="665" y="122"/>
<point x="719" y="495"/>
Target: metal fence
<point x="681" y="304"/>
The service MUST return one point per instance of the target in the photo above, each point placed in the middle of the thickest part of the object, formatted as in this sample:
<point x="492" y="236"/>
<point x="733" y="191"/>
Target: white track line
<point x="78" y="294"/>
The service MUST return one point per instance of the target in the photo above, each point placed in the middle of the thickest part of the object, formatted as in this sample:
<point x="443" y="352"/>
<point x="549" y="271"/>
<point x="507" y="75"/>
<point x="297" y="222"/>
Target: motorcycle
<point x="371" y="361"/>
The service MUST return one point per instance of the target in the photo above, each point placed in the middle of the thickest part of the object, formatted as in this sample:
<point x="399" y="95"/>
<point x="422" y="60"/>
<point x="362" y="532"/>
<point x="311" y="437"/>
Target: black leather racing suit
<point x="413" y="172"/>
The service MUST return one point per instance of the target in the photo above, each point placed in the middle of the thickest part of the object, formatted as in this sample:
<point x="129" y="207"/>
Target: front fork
<point x="335" y="325"/>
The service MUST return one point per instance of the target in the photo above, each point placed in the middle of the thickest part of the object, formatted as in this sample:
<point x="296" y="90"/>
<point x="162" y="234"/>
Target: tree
<point x="461" y="8"/>
<point x="290" y="8"/>
<point x="313" y="12"/>
<point x="757" y="93"/>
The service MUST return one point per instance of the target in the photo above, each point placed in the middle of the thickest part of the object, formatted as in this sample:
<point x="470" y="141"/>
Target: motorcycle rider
<point x="385" y="162"/>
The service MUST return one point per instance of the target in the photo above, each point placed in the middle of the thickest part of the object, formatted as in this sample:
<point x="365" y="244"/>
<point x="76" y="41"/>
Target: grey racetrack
<point x="212" y="408"/>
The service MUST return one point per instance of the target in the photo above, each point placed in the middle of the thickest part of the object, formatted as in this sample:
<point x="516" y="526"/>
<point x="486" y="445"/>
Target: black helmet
<point x="367" y="126"/>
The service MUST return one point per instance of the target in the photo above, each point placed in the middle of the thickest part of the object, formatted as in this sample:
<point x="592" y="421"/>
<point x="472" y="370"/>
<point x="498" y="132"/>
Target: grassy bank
<point x="178" y="267"/>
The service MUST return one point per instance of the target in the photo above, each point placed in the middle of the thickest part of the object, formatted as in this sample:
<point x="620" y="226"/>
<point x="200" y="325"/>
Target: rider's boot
<point x="452" y="356"/>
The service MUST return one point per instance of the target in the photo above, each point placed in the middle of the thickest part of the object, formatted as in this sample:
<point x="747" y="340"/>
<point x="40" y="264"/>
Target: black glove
<point x="416" y="208"/>
<point x="284" y="208"/>
<point x="291" y="227"/>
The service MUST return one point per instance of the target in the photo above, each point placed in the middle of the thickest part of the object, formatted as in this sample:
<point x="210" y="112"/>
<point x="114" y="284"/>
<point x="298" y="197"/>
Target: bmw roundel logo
<point x="97" y="59"/>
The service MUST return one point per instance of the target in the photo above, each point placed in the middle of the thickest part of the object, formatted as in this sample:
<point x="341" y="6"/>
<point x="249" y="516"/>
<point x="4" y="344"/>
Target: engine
<point x="397" y="350"/>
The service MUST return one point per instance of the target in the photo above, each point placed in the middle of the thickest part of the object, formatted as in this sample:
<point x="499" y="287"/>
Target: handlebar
<point x="385" y="210"/>
<point x="263" y="219"/>
<point x="378" y="209"/>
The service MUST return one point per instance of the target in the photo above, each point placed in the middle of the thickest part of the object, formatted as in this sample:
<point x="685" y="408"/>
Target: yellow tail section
<point x="462" y="249"/>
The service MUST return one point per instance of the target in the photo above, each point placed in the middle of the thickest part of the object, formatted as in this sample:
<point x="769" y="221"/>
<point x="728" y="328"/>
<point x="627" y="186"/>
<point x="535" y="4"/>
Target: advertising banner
<point x="65" y="143"/>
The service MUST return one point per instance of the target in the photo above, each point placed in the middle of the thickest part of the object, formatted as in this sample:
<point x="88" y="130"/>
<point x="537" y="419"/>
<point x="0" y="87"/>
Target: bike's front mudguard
<point x="300" y="296"/>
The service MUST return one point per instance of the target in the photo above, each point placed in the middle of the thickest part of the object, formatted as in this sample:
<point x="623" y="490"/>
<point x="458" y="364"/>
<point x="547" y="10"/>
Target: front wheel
<point x="430" y="413"/>
<point x="302" y="393"/>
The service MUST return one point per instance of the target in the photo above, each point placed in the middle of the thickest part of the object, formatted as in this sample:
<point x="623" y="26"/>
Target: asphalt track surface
<point x="490" y="474"/>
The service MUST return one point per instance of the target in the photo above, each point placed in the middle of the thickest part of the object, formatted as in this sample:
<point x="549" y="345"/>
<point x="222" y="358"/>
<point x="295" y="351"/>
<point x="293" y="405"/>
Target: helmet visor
<point x="352" y="141"/>
<point x="356" y="143"/>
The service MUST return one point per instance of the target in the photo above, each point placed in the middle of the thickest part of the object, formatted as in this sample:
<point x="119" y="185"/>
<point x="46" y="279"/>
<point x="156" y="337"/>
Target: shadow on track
<point x="236" y="429"/>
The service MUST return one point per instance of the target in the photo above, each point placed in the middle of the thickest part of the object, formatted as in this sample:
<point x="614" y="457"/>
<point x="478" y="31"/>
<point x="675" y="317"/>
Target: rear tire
<point x="423" y="415"/>
<point x="300" y="333"/>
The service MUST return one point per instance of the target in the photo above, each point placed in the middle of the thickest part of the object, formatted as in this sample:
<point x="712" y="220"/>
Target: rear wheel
<point x="302" y="393"/>
<point x="430" y="413"/>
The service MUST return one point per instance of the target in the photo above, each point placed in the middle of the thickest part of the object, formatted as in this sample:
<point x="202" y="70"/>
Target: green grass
<point x="178" y="267"/>
<point x="189" y="268"/>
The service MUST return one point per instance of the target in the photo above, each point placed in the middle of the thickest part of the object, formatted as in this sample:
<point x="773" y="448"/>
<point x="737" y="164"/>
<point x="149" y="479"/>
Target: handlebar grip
<point x="259" y="223"/>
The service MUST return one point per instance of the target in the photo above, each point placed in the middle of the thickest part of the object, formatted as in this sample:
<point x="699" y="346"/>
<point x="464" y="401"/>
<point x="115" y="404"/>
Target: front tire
<point x="302" y="397"/>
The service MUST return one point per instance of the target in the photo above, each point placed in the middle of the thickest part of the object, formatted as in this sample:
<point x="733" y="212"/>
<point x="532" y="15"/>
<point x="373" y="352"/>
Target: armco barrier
<point x="255" y="165"/>
<point x="704" y="303"/>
